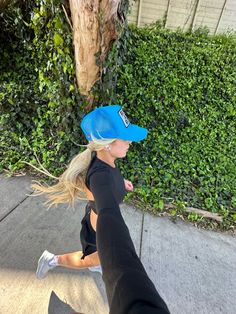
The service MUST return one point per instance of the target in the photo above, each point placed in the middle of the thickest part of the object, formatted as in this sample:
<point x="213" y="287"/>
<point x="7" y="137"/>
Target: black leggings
<point x="87" y="234"/>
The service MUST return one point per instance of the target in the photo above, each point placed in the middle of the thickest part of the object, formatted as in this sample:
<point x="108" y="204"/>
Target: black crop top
<point x="99" y="172"/>
<point x="128" y="287"/>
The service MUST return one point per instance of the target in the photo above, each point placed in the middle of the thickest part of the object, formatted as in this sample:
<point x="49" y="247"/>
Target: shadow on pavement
<point x="57" y="306"/>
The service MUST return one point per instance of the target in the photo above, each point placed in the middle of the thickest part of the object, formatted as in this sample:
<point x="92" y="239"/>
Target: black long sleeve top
<point x="129" y="289"/>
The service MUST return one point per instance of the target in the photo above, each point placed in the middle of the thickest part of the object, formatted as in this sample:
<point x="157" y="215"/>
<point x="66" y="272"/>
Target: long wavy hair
<point x="71" y="184"/>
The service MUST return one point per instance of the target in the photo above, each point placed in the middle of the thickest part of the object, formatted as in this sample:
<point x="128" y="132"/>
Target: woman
<point x="110" y="134"/>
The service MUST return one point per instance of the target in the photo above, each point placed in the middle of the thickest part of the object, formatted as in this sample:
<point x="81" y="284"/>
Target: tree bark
<point x="94" y="30"/>
<point x="199" y="212"/>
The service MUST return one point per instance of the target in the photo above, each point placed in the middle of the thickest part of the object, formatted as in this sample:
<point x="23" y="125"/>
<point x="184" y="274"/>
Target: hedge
<point x="40" y="106"/>
<point x="181" y="86"/>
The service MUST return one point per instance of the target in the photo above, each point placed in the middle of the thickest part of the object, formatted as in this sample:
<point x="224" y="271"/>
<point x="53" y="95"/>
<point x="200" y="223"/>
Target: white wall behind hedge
<point x="218" y="15"/>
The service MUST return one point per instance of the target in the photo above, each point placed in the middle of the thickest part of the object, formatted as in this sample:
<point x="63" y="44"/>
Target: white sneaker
<point x="96" y="269"/>
<point x="45" y="264"/>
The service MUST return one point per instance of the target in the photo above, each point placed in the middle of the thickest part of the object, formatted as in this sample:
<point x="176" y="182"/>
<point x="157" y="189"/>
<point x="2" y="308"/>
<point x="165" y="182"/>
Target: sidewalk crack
<point x="141" y="237"/>
<point x="8" y="213"/>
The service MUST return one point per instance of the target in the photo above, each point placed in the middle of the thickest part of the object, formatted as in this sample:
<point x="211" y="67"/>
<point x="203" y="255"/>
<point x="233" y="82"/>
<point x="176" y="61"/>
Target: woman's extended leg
<point x="48" y="261"/>
<point x="73" y="260"/>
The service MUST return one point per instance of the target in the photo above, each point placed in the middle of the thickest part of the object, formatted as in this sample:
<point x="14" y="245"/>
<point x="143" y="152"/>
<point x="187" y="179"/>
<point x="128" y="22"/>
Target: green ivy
<point x="181" y="86"/>
<point x="40" y="105"/>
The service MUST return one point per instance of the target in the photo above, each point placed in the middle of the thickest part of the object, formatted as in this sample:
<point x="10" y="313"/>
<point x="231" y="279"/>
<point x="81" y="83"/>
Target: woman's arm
<point x="129" y="289"/>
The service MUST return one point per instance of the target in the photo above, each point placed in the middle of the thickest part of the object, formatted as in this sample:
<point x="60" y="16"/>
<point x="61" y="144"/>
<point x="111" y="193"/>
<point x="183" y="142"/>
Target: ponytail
<point x="71" y="184"/>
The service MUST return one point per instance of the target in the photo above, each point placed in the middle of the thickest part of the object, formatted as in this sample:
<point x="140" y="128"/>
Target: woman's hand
<point x="128" y="185"/>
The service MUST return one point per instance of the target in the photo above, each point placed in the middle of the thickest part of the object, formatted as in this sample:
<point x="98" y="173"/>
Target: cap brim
<point x="134" y="133"/>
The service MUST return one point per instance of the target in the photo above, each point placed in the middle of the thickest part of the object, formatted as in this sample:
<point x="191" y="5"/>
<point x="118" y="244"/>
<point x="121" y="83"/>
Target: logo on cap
<point x="124" y="118"/>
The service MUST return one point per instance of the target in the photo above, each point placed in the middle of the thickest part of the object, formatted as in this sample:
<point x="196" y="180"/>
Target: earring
<point x="108" y="147"/>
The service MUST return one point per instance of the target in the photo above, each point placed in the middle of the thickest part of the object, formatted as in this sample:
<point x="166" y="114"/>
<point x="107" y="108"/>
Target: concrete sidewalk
<point x="193" y="270"/>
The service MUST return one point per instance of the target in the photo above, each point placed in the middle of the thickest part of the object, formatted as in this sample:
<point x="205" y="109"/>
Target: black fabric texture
<point x="87" y="234"/>
<point x="116" y="181"/>
<point x="128" y="287"/>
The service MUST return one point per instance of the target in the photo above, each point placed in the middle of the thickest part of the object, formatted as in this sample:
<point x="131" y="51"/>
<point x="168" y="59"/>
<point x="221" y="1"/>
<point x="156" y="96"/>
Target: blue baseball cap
<point x="111" y="122"/>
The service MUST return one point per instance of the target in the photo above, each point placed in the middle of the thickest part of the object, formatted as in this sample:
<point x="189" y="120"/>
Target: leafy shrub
<point x="40" y="106"/>
<point x="181" y="86"/>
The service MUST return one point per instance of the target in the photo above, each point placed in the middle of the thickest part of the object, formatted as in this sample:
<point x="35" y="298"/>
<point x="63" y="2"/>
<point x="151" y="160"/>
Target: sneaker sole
<point x="95" y="270"/>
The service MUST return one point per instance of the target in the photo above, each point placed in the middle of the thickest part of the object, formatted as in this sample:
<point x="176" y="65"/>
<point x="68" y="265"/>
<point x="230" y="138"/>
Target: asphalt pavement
<point x="194" y="270"/>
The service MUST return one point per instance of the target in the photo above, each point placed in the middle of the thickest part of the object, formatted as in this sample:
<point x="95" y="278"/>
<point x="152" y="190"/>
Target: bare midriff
<point x="93" y="215"/>
<point x="93" y="219"/>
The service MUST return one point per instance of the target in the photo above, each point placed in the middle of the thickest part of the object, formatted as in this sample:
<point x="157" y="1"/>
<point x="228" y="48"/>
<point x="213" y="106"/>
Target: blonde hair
<point x="71" y="184"/>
